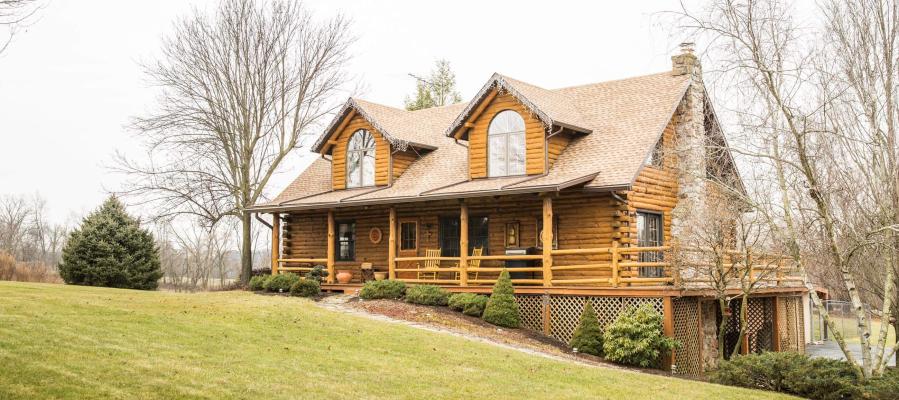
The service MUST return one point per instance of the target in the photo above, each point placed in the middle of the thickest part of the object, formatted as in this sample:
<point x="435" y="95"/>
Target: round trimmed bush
<point x="281" y="283"/>
<point x="457" y="301"/>
<point x="306" y="288"/>
<point x="386" y="289"/>
<point x="587" y="337"/>
<point x="257" y="282"/>
<point x="468" y="303"/>
<point x="636" y="338"/>
<point x="501" y="308"/>
<point x="475" y="306"/>
<point x="428" y="295"/>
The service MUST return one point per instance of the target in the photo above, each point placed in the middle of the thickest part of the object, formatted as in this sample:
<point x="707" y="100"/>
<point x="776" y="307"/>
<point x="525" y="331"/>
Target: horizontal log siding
<point x="477" y="137"/>
<point x="382" y="153"/>
<point x="586" y="220"/>
<point x="557" y="145"/>
<point x="402" y="160"/>
<point x="655" y="190"/>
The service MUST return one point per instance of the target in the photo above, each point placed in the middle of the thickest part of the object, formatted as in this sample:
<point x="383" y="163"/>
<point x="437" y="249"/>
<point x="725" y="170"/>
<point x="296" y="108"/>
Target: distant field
<point x="77" y="342"/>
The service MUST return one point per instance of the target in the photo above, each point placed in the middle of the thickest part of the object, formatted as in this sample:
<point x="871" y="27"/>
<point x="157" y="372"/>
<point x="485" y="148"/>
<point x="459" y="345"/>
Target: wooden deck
<point x="636" y="291"/>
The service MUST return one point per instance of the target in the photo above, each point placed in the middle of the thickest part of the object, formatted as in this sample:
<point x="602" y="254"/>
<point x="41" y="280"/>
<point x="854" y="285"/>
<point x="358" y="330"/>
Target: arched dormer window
<point x="506" y="145"/>
<point x="360" y="160"/>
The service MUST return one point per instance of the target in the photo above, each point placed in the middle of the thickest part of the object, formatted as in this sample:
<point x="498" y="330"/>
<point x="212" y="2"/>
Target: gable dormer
<point x="515" y="129"/>
<point x="370" y="145"/>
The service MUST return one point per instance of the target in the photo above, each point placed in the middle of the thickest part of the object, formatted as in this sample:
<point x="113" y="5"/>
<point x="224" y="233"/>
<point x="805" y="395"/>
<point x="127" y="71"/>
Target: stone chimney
<point x="686" y="62"/>
<point x="690" y="148"/>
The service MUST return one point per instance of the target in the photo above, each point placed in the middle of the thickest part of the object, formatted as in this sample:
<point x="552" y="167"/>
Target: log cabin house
<point x="571" y="189"/>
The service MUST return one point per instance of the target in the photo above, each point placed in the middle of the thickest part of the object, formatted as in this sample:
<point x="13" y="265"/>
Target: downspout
<point x="264" y="222"/>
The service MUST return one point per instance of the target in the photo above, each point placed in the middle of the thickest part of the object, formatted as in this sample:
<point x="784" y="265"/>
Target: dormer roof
<point x="551" y="107"/>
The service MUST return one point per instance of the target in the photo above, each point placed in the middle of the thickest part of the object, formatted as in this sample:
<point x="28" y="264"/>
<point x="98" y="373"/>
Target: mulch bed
<point x="444" y="318"/>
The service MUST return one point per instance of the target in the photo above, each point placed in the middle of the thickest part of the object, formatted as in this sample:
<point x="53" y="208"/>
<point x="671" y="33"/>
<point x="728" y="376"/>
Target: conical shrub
<point x="111" y="249"/>
<point x="501" y="308"/>
<point x="587" y="337"/>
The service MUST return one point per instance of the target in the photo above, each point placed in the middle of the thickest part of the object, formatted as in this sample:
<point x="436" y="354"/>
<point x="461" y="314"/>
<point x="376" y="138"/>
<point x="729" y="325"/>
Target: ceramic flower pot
<point x="344" y="276"/>
<point x="380" y="276"/>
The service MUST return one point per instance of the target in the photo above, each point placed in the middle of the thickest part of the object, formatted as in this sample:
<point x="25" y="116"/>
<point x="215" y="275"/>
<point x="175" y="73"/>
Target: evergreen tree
<point x="587" y="337"/>
<point x="501" y="308"/>
<point x="110" y="249"/>
<point x="438" y="89"/>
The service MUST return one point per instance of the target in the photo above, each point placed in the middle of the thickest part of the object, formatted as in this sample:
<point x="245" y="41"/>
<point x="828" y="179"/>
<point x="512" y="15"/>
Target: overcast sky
<point x="72" y="80"/>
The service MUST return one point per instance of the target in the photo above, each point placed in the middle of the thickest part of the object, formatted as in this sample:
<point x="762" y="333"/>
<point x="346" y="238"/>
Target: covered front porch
<point x="593" y="242"/>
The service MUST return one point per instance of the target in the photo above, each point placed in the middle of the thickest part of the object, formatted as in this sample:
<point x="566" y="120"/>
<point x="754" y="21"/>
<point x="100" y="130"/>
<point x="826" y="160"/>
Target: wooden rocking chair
<point x="473" y="265"/>
<point x="429" y="270"/>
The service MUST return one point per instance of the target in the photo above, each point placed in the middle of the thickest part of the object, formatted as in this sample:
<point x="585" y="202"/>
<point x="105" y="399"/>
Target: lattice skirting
<point x="687" y="357"/>
<point x="791" y="324"/>
<point x="565" y="311"/>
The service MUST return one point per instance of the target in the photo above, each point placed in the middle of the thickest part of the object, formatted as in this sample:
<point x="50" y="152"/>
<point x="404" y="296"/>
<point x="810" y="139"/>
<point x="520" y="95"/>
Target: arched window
<point x="360" y="160"/>
<point x="506" y="145"/>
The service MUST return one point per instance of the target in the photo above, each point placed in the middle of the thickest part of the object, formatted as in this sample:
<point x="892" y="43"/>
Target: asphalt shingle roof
<point x="623" y="118"/>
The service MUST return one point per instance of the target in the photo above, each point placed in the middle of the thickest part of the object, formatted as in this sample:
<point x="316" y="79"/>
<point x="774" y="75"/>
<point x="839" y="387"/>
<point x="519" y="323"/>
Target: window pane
<point x="505" y="122"/>
<point x="353" y="179"/>
<point x="346" y="241"/>
<point x="448" y="236"/>
<point x="360" y="160"/>
<point x="497" y="160"/>
<point x="516" y="153"/>
<point x="408" y="233"/>
<point x="478" y="234"/>
<point x="649" y="234"/>
<point x="368" y="168"/>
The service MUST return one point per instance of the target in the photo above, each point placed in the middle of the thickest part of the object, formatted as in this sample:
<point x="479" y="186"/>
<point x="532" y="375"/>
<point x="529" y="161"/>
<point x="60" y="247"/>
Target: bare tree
<point x="240" y="89"/>
<point x="13" y="15"/>
<point x="732" y="252"/>
<point x="787" y="96"/>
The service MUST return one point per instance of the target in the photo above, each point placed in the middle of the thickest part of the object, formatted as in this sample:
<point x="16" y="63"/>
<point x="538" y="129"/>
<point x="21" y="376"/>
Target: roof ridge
<point x="609" y="81"/>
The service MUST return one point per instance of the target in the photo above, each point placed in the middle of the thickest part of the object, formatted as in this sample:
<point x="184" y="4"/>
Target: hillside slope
<point x="61" y="341"/>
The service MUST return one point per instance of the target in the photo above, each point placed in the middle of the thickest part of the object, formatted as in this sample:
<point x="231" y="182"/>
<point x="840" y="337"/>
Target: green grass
<point x="77" y="342"/>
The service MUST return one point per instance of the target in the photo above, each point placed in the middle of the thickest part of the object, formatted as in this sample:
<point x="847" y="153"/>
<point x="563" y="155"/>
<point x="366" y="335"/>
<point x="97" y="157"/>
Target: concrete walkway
<point x="830" y="349"/>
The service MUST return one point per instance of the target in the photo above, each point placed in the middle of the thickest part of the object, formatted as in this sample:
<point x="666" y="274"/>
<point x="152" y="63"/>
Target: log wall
<point x="535" y="137"/>
<point x="382" y="153"/>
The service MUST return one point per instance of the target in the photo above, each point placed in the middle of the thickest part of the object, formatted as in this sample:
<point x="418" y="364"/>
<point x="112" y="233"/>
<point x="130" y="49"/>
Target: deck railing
<point x="622" y="268"/>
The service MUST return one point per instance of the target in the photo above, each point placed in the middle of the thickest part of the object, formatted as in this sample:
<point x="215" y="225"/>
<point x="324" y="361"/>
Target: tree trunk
<point x="246" y="248"/>
<point x="722" y="305"/>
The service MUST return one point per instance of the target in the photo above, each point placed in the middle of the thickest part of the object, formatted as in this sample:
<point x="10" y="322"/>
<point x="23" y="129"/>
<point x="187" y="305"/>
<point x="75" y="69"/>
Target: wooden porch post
<point x="276" y="242"/>
<point x="547" y="241"/>
<point x="391" y="242"/>
<point x="463" y="244"/>
<point x="330" y="256"/>
<point x="776" y="319"/>
<point x="668" y="329"/>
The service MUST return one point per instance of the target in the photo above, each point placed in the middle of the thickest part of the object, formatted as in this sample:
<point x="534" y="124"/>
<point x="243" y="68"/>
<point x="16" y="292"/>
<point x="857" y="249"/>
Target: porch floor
<point x="632" y="291"/>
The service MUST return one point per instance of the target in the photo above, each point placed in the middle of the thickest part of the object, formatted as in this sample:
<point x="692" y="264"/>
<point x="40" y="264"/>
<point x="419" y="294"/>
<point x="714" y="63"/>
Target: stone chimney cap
<point x="685" y="63"/>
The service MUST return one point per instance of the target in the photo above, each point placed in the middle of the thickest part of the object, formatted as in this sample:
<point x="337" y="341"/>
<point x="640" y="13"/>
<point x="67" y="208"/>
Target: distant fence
<point x="844" y="319"/>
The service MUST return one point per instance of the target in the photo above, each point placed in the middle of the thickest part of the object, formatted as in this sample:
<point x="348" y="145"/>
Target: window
<point x="408" y="236"/>
<point x="448" y="235"/>
<point x="650" y="234"/>
<point x="506" y="145"/>
<point x="555" y="231"/>
<point x="360" y="160"/>
<point x="346" y="241"/>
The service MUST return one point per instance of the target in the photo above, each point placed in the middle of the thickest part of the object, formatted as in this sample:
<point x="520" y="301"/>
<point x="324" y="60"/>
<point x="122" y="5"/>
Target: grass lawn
<point x="61" y="341"/>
